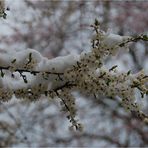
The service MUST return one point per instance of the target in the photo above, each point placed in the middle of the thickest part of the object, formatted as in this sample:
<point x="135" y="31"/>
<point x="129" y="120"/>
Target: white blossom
<point x="59" y="77"/>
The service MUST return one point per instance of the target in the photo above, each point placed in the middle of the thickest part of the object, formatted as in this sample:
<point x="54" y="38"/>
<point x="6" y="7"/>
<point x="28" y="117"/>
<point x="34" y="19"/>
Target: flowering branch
<point x="86" y="73"/>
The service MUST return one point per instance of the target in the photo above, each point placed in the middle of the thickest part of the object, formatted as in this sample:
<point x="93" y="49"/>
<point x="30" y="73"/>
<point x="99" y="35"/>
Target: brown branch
<point x="134" y="39"/>
<point x="30" y="71"/>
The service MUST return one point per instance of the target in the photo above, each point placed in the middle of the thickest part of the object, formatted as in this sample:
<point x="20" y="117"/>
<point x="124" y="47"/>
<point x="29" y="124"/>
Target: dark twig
<point x="30" y="71"/>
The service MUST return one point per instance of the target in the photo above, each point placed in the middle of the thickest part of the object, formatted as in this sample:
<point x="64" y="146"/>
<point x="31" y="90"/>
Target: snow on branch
<point x="29" y="75"/>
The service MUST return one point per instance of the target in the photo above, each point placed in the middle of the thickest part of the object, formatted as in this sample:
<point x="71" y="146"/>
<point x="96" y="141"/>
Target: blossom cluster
<point x="28" y="75"/>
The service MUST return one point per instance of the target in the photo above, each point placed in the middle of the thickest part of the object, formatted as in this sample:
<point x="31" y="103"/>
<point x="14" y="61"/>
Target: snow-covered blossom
<point x="86" y="73"/>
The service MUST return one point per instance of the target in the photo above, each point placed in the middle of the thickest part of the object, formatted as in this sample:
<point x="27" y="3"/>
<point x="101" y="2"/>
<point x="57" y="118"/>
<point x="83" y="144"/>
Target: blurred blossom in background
<point x="57" y="28"/>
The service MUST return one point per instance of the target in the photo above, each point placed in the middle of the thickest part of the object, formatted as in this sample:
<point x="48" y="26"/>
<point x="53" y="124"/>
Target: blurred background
<point x="55" y="28"/>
